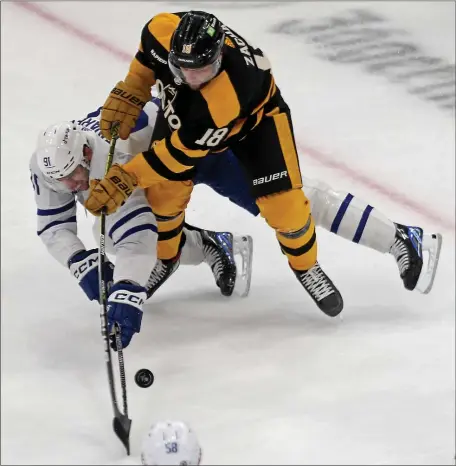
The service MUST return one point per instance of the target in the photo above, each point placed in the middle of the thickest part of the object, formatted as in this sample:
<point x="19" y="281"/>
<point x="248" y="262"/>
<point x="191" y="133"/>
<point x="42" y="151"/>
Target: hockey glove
<point x="124" y="104"/>
<point x="110" y="192"/>
<point x="125" y="304"/>
<point x="84" y="266"/>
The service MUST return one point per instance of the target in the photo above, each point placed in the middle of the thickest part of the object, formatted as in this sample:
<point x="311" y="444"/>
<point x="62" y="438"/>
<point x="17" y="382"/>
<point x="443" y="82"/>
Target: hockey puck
<point x="144" y="378"/>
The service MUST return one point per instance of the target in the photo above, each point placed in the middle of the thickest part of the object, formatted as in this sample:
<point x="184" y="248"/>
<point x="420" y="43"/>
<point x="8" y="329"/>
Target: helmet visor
<point x="195" y="77"/>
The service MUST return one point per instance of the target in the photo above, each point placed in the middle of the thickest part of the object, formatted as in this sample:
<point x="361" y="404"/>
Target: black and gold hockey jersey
<point x="220" y="113"/>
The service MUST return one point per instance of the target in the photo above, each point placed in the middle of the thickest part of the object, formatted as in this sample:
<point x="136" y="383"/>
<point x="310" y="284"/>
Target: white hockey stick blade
<point x="243" y="254"/>
<point x="432" y="244"/>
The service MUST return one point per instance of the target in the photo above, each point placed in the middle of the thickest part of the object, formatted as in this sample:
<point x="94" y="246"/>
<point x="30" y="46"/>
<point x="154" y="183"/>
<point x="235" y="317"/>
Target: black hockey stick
<point x="121" y="423"/>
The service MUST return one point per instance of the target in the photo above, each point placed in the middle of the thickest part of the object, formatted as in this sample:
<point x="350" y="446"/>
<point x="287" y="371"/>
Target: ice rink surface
<point x="263" y="380"/>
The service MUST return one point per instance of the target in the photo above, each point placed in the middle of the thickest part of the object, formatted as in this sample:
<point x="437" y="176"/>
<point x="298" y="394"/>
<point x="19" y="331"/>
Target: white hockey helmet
<point x="170" y="443"/>
<point x="60" y="149"/>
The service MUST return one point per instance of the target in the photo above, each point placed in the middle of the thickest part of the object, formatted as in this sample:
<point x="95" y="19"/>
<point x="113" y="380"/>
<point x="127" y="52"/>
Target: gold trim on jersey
<point x="179" y="145"/>
<point x="259" y="117"/>
<point x="274" y="111"/>
<point x="237" y="127"/>
<point x="162" y="152"/>
<point x="162" y="27"/>
<point x="222" y="100"/>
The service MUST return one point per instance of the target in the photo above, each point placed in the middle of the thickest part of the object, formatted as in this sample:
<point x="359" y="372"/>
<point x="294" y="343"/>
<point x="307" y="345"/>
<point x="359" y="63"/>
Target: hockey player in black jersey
<point x="217" y="91"/>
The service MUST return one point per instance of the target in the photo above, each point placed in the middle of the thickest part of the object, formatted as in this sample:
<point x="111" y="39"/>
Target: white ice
<point x="263" y="380"/>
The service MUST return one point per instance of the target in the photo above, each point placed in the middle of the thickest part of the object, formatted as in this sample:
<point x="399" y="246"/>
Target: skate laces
<point x="214" y="255"/>
<point x="400" y="252"/>
<point x="403" y="248"/>
<point x="316" y="283"/>
<point x="157" y="274"/>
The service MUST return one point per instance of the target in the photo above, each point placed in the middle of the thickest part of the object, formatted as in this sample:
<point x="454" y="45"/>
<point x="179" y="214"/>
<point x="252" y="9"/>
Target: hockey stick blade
<point x="122" y="425"/>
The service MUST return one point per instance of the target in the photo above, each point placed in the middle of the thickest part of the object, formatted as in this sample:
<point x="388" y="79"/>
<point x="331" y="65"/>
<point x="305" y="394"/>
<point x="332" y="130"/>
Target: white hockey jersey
<point x="131" y="230"/>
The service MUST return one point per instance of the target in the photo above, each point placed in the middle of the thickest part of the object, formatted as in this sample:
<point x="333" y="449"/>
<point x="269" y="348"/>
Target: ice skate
<point x="321" y="289"/>
<point x="160" y="273"/>
<point x="408" y="248"/>
<point x="219" y="255"/>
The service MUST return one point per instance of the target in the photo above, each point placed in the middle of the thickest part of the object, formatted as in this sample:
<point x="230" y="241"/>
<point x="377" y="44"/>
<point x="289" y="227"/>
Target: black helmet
<point x="197" y="42"/>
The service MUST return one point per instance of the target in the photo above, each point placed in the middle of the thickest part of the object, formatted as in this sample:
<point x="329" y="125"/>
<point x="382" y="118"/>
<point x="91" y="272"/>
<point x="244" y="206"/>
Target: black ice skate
<point x="218" y="254"/>
<point x="161" y="272"/>
<point x="321" y="289"/>
<point x="408" y="248"/>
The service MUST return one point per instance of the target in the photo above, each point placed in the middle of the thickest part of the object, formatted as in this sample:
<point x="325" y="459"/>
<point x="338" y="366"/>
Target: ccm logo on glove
<point x="125" y="308"/>
<point x="85" y="267"/>
<point x="128" y="96"/>
<point x="125" y="296"/>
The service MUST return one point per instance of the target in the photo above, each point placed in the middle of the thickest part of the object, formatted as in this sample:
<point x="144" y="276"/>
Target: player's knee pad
<point x="287" y="210"/>
<point x="324" y="200"/>
<point x="169" y="198"/>
<point x="289" y="214"/>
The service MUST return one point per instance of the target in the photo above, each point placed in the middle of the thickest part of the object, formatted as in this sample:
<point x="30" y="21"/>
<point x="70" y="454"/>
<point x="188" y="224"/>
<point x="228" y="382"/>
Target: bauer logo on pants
<point x="269" y="178"/>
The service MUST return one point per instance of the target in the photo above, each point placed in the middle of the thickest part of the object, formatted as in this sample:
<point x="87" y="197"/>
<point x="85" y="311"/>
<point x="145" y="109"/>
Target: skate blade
<point x="243" y="254"/>
<point x="432" y="244"/>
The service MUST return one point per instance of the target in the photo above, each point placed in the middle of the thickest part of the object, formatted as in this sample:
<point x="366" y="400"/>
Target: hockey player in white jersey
<point x="68" y="156"/>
